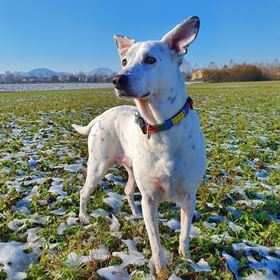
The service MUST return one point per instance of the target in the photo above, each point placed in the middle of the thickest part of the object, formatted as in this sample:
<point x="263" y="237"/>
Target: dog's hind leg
<point x="102" y="153"/>
<point x="187" y="209"/>
<point x="129" y="192"/>
<point x="95" y="172"/>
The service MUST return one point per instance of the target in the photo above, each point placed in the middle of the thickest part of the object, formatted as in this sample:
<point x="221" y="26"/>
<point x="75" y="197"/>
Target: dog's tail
<point x="84" y="130"/>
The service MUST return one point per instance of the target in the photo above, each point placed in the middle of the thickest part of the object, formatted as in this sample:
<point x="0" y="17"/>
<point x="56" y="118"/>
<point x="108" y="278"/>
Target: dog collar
<point x="167" y="124"/>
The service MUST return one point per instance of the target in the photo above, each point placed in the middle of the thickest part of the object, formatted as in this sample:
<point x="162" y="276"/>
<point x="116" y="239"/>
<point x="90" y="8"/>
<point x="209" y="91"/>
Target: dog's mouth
<point x="124" y="94"/>
<point x="145" y="96"/>
<point x="128" y="95"/>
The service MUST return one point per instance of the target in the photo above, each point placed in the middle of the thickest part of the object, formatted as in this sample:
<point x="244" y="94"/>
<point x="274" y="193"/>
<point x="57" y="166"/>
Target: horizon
<point x="54" y="70"/>
<point x="107" y="68"/>
<point x="69" y="36"/>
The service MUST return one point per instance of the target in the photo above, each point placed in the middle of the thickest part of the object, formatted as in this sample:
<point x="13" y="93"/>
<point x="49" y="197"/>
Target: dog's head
<point x="150" y="67"/>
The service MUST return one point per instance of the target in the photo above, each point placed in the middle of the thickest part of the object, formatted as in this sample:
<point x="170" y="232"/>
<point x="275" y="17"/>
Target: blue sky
<point x="73" y="35"/>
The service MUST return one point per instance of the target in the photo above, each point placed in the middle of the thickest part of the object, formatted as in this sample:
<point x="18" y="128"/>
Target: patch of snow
<point x="210" y="205"/>
<point x="105" y="185"/>
<point x="274" y="218"/>
<point x="261" y="250"/>
<point x="252" y="203"/>
<point x="56" y="187"/>
<point x="32" y="162"/>
<point x="195" y="232"/>
<point x="100" y="254"/>
<point x="35" y="180"/>
<point x="201" y="266"/>
<point x="232" y="264"/>
<point x="115" y="272"/>
<point x="99" y="213"/>
<point x="218" y="238"/>
<point x="42" y="220"/>
<point x="114" y="200"/>
<point x="14" y="184"/>
<point x="235" y="212"/>
<point x="196" y="215"/>
<point x="270" y="264"/>
<point x="17" y="224"/>
<point x="69" y="222"/>
<point x="258" y="276"/>
<point x="134" y="256"/>
<point x="117" y="180"/>
<point x="235" y="227"/>
<point x="13" y="258"/>
<point x="74" y="260"/>
<point x="209" y="225"/>
<point x="216" y="217"/>
<point x="72" y="168"/>
<point x="174" y="277"/>
<point x="173" y="224"/>
<point x="261" y="175"/>
<point x="115" y="225"/>
<point x="60" y="211"/>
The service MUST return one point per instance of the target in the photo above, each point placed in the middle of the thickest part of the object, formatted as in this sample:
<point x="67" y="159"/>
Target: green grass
<point x="241" y="122"/>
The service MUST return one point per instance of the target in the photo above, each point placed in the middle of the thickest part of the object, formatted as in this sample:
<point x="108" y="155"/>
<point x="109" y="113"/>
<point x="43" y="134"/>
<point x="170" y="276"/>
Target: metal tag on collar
<point x="148" y="132"/>
<point x="139" y="120"/>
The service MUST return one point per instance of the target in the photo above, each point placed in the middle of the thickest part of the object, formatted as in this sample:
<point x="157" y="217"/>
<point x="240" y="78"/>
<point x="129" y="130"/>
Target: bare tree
<point x="231" y="63"/>
<point x="186" y="69"/>
<point x="213" y="65"/>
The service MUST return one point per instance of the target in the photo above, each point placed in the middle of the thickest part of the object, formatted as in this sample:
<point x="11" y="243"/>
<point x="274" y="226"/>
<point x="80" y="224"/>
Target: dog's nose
<point x="120" y="81"/>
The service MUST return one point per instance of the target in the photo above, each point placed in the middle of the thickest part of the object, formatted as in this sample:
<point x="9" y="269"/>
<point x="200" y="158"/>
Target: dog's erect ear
<point x="182" y="35"/>
<point x="123" y="43"/>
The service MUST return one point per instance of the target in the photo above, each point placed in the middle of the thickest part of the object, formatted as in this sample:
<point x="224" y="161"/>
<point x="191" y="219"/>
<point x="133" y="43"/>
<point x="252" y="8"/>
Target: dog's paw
<point x="138" y="215"/>
<point x="84" y="219"/>
<point x="163" y="274"/>
<point x="158" y="273"/>
<point x="184" y="253"/>
<point x="152" y="267"/>
<point x="136" y="212"/>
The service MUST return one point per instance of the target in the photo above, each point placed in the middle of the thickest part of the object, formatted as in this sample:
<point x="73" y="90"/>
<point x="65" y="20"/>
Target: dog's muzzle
<point x="120" y="82"/>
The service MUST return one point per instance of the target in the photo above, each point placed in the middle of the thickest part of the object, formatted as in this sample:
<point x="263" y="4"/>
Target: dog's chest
<point x="167" y="178"/>
<point x="165" y="169"/>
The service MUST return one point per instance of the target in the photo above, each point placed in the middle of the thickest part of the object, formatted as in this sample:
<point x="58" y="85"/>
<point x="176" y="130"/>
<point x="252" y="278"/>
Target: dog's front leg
<point x="150" y="213"/>
<point x="187" y="209"/>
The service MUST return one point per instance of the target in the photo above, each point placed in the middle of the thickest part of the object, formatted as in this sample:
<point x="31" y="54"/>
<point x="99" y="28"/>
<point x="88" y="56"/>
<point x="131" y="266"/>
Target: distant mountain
<point x="48" y="73"/>
<point x="61" y="74"/>
<point x="102" y="71"/>
<point x="20" y="74"/>
<point x="42" y="73"/>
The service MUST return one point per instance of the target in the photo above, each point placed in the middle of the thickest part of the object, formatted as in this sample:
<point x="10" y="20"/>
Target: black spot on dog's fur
<point x="171" y="99"/>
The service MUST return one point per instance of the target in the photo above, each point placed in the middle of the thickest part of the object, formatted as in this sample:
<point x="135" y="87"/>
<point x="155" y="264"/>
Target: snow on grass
<point x="235" y="230"/>
<point x="201" y="266"/>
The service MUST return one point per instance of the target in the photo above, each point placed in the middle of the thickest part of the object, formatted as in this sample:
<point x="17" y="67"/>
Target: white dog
<point x="159" y="141"/>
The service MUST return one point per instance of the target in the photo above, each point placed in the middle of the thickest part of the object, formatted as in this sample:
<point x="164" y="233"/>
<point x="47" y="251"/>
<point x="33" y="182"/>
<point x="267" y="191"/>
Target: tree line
<point x="230" y="72"/>
<point x="235" y="72"/>
<point x="14" y="78"/>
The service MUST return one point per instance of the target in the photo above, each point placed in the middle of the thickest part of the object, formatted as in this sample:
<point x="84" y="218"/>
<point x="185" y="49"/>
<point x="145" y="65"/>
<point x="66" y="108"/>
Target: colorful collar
<point x="148" y="128"/>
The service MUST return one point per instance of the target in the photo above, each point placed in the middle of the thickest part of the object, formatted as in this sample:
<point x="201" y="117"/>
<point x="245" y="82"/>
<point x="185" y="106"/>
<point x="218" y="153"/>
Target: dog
<point x="159" y="142"/>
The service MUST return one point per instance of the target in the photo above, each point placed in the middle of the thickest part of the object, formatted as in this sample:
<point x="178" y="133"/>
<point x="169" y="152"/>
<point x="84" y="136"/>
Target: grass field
<point x="236" y="229"/>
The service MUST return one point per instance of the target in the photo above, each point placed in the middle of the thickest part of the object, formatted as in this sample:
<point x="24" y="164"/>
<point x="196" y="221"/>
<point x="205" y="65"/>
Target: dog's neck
<point x="164" y="105"/>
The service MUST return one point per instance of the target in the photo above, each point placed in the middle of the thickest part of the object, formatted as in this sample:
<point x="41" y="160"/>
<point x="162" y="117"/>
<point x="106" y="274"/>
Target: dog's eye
<point x="124" y="62"/>
<point x="150" y="60"/>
